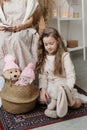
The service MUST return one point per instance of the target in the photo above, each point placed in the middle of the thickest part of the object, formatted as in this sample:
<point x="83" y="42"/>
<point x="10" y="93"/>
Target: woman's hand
<point x="26" y="25"/>
<point x="17" y="28"/>
<point x="13" y="29"/>
<point x="44" y="97"/>
<point x="2" y="28"/>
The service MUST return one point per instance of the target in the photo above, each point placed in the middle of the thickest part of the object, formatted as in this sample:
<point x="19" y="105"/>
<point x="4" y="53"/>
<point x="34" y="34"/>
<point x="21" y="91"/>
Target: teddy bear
<point x="11" y="71"/>
<point x="27" y="76"/>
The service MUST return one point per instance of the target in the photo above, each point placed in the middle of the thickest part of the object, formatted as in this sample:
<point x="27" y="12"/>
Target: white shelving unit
<point x="69" y="20"/>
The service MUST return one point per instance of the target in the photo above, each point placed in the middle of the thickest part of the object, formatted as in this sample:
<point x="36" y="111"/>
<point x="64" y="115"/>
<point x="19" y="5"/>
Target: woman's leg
<point x="3" y="49"/>
<point x="21" y="44"/>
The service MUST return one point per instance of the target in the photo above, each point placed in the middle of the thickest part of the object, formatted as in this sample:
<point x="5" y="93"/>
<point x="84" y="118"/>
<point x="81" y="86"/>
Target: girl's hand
<point x="44" y="97"/>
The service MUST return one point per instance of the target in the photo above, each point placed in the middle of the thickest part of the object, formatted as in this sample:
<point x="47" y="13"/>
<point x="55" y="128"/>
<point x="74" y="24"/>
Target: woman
<point x="17" y="34"/>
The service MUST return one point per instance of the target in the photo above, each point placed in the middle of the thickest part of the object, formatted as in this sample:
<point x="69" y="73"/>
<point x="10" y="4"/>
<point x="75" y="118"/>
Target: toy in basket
<point x="27" y="76"/>
<point x="11" y="70"/>
<point x="20" y="96"/>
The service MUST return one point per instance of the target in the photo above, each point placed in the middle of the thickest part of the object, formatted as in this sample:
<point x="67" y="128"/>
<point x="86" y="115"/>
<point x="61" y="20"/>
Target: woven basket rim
<point x="9" y="93"/>
<point x="14" y="100"/>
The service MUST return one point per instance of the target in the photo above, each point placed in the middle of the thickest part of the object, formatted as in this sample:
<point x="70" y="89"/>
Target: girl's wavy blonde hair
<point x="58" y="70"/>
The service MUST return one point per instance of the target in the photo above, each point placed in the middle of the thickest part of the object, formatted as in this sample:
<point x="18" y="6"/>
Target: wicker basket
<point x="19" y="99"/>
<point x="72" y="43"/>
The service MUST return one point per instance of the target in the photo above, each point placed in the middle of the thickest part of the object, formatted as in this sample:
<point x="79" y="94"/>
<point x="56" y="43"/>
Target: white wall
<point x="75" y="31"/>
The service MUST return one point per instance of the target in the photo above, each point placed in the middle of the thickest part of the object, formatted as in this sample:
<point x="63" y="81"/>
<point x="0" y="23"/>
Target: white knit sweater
<point x="49" y="78"/>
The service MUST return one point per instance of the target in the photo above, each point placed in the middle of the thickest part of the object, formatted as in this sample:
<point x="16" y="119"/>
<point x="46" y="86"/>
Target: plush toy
<point x="27" y="76"/>
<point x="19" y="98"/>
<point x="60" y="98"/>
<point x="11" y="70"/>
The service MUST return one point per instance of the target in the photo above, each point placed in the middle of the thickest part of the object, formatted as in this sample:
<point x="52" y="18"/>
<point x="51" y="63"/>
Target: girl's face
<point x="50" y="45"/>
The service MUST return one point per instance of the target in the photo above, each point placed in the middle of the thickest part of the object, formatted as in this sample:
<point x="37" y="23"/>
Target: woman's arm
<point x="69" y="70"/>
<point x="17" y="28"/>
<point x="27" y="24"/>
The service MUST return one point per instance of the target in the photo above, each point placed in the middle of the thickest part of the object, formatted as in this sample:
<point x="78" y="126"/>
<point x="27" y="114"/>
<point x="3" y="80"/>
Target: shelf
<point x="80" y="18"/>
<point x="63" y="16"/>
<point x="76" y="48"/>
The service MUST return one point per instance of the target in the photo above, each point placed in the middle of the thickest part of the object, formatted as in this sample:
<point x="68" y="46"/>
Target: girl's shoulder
<point x="65" y="54"/>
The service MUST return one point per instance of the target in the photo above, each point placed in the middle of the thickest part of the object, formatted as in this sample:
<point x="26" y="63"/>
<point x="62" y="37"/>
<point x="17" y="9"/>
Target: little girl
<point x="56" y="75"/>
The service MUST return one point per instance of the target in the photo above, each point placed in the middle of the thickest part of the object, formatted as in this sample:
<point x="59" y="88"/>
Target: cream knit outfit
<point x="60" y="88"/>
<point x="21" y="44"/>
